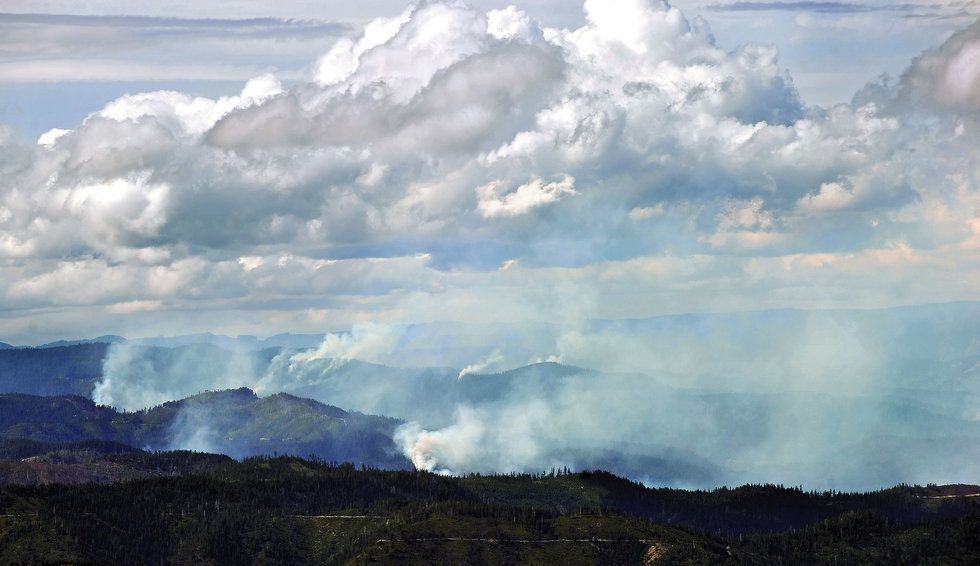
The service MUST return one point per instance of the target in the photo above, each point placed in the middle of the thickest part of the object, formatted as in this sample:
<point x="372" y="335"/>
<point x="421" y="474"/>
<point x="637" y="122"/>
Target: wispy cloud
<point x="171" y="25"/>
<point x="71" y="32"/>
<point x="817" y="7"/>
<point x="72" y="48"/>
<point x="962" y="14"/>
<point x="107" y="70"/>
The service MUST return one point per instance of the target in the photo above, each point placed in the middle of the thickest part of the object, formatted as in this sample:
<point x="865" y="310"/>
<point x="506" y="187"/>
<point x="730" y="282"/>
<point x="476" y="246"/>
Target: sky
<point x="257" y="167"/>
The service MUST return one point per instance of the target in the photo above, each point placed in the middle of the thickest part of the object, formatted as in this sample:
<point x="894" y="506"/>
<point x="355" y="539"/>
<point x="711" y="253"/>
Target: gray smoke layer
<point x="831" y="399"/>
<point x="136" y="377"/>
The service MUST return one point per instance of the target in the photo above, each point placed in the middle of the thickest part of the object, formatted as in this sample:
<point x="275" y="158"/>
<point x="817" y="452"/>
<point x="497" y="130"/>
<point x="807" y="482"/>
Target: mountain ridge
<point x="237" y="423"/>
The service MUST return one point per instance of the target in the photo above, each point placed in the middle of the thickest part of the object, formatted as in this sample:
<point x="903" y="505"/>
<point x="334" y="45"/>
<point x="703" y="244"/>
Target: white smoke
<point x="785" y="396"/>
<point x="367" y="342"/>
<point x="137" y="377"/>
<point x="192" y="430"/>
<point x="493" y="361"/>
<point x="517" y="437"/>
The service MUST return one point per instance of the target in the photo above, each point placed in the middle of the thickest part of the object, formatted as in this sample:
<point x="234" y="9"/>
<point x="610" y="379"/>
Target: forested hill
<point x="65" y="370"/>
<point x="292" y="511"/>
<point x="237" y="423"/>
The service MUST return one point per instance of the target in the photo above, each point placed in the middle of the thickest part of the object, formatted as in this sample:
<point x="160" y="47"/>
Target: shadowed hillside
<point x="68" y="370"/>
<point x="237" y="423"/>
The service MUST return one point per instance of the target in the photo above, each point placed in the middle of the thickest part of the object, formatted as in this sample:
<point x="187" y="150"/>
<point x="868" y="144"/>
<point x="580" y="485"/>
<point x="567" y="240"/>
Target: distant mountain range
<point x="235" y="343"/>
<point x="899" y="407"/>
<point x="236" y="423"/>
<point x="906" y="426"/>
<point x="107" y="339"/>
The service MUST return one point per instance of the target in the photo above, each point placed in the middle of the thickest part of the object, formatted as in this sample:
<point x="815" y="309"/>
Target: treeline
<point x="863" y="537"/>
<point x="724" y="511"/>
<point x="288" y="510"/>
<point x="246" y="512"/>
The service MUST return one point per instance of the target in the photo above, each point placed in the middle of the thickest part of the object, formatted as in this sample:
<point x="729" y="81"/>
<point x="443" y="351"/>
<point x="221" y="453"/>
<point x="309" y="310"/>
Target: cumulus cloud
<point x="51" y="136"/>
<point x="344" y="57"/>
<point x="472" y="139"/>
<point x="948" y="76"/>
<point x="831" y="197"/>
<point x="187" y="115"/>
<point x="523" y="199"/>
<point x="646" y="212"/>
<point x="412" y="102"/>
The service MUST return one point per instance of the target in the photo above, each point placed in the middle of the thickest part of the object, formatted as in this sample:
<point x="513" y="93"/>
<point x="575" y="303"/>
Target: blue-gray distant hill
<point x="76" y="369"/>
<point x="107" y="339"/>
<point x="59" y="370"/>
<point x="428" y="395"/>
<point x="841" y="399"/>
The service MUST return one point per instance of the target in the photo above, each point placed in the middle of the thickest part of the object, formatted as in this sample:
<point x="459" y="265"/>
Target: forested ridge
<point x="287" y="510"/>
<point x="236" y="422"/>
<point x="63" y="370"/>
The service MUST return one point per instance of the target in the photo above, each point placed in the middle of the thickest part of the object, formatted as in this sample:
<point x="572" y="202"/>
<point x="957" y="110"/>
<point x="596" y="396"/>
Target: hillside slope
<point x="68" y="370"/>
<point x="236" y="423"/>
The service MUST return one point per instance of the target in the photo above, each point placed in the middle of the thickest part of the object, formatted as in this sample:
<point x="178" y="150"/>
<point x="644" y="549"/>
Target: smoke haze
<point x="826" y="399"/>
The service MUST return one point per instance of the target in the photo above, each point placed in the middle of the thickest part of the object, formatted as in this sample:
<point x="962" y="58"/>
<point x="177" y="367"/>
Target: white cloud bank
<point x="631" y="166"/>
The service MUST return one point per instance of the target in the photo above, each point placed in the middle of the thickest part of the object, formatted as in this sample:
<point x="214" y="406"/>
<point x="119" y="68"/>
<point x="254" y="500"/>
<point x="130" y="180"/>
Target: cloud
<point x="422" y="154"/>
<point x="646" y="212"/>
<point x="343" y="58"/>
<point x="51" y="136"/>
<point x="172" y="25"/>
<point x="536" y="193"/>
<point x="87" y="48"/>
<point x="908" y="9"/>
<point x="832" y="196"/>
<point x="949" y="76"/>
<point x="818" y="7"/>
<point x="189" y="115"/>
<point x="104" y="70"/>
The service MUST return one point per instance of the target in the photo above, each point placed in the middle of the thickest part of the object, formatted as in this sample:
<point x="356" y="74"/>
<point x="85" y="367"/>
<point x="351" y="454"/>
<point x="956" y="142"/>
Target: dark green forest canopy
<point x="200" y="509"/>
